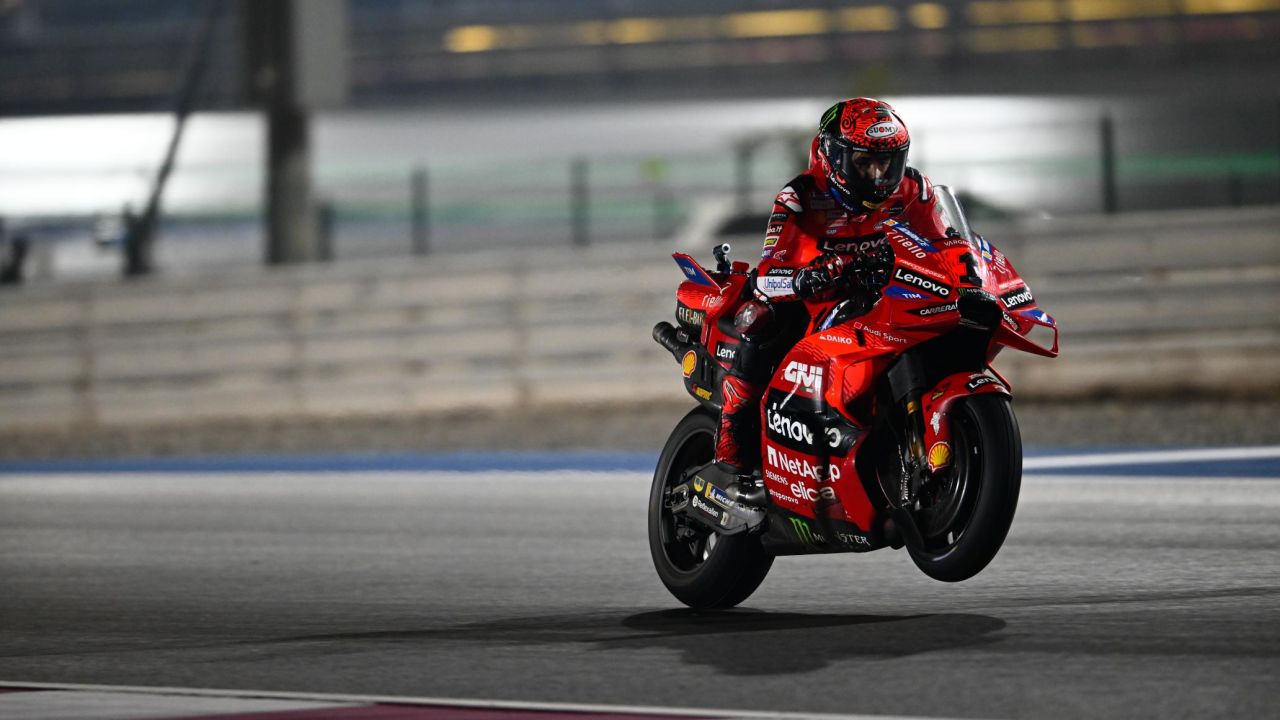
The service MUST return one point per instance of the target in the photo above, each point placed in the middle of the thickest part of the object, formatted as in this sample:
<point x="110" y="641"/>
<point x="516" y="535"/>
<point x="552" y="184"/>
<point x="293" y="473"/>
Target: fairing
<point x="821" y="405"/>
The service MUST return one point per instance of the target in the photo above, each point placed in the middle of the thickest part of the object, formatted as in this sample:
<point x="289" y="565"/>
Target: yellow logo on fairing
<point x="689" y="362"/>
<point x="698" y="483"/>
<point x="939" y="455"/>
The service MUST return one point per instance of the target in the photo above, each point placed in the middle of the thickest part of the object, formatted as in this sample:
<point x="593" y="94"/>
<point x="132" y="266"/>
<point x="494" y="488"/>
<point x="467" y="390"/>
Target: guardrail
<point x="1161" y="303"/>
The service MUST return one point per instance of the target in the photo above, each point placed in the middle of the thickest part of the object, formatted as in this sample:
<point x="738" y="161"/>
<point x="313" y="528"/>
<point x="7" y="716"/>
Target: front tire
<point x="966" y="521"/>
<point x="700" y="568"/>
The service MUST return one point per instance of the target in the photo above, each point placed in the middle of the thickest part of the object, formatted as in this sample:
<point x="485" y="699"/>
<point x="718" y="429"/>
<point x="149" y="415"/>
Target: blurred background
<point x="288" y="225"/>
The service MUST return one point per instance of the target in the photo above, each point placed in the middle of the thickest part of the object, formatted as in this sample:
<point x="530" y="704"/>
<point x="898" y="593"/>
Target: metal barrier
<point x="1163" y="303"/>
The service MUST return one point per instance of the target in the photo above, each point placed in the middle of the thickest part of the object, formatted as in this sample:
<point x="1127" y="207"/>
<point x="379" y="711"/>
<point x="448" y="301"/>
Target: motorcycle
<point x="884" y="426"/>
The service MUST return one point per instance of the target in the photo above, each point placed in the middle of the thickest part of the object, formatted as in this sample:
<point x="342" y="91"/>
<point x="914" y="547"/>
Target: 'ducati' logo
<point x="1017" y="298"/>
<point x="806" y="377"/>
<point x="928" y="285"/>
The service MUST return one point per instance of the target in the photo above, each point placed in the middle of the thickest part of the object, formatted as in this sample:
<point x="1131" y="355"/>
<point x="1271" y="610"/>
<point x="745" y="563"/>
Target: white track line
<point x="456" y="702"/>
<point x="1151" y="457"/>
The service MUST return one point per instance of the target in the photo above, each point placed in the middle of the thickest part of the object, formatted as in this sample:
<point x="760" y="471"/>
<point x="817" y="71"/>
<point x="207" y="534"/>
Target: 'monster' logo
<point x="848" y="119"/>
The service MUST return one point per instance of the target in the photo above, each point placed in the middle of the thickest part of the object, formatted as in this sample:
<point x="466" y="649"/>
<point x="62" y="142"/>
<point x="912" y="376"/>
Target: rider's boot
<point x="738" y="439"/>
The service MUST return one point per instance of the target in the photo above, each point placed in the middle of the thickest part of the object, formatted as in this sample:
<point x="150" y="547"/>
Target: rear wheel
<point x="701" y="568"/>
<point x="965" y="515"/>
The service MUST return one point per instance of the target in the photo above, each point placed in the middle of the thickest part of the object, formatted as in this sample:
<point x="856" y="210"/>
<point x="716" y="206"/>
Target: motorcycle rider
<point x="826" y="224"/>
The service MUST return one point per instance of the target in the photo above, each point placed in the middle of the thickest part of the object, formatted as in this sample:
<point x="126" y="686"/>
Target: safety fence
<point x="1162" y="303"/>
<point x="398" y="184"/>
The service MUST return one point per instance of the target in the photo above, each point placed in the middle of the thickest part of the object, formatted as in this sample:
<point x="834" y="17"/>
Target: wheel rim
<point x="686" y="544"/>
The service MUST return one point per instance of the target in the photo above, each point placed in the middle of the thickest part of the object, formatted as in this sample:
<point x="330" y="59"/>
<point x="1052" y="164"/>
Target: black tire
<point x="968" y="519"/>
<point x="701" y="569"/>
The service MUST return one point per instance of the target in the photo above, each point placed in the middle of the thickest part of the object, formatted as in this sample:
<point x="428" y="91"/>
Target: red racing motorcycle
<point x="883" y="427"/>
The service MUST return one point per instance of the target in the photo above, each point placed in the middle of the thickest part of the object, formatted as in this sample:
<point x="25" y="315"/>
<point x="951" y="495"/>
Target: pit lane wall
<point x="1169" y="304"/>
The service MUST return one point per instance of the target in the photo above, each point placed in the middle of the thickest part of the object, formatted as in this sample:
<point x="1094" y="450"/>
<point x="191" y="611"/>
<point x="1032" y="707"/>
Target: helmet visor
<point x="871" y="174"/>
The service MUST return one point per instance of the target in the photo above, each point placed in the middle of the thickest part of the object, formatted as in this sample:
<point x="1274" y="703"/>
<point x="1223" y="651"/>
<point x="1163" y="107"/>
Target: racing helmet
<point x="862" y="149"/>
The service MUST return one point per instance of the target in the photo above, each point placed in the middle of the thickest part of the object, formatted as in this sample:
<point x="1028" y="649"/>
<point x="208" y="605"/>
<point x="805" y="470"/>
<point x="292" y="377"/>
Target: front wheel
<point x="702" y="569"/>
<point x="965" y="517"/>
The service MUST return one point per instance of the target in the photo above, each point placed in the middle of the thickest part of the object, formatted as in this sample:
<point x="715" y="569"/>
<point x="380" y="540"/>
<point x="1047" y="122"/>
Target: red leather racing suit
<point x="806" y="223"/>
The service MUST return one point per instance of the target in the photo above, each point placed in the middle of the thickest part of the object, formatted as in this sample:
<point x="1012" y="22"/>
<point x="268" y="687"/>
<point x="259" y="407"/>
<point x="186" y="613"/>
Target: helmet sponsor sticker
<point x="882" y="130"/>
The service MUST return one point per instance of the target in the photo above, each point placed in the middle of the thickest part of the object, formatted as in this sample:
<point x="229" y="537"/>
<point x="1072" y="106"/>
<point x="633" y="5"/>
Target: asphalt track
<point x="1149" y="593"/>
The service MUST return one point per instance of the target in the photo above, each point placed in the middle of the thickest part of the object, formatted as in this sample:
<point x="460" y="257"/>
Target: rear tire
<point x="987" y="470"/>
<point x="700" y="568"/>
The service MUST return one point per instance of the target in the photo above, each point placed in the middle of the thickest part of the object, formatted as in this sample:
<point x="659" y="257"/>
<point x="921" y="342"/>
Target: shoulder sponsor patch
<point x="789" y="199"/>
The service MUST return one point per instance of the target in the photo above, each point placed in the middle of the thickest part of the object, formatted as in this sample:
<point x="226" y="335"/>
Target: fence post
<point x="1110" y="201"/>
<point x="579" y="202"/>
<point x="419" y="210"/>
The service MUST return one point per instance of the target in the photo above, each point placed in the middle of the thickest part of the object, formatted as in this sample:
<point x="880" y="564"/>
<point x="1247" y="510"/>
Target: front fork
<point x="907" y="385"/>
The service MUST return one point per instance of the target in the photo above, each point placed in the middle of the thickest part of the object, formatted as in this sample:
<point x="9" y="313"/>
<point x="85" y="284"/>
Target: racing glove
<point x="876" y="265"/>
<point x="820" y="275"/>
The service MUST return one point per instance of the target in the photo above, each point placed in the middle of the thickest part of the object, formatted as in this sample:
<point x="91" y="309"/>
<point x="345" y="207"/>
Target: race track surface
<point x="1117" y="595"/>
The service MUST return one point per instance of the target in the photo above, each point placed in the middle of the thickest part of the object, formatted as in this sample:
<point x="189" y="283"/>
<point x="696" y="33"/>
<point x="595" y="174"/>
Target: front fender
<point x="941" y="399"/>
